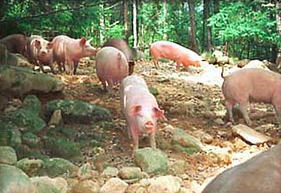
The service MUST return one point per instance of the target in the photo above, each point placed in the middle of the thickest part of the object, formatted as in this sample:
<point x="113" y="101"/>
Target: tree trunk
<point x="101" y="31"/>
<point x="126" y="20"/>
<point x="207" y="39"/>
<point x="165" y="16"/>
<point x="191" y="8"/>
<point x="278" y="21"/>
<point x="135" y="23"/>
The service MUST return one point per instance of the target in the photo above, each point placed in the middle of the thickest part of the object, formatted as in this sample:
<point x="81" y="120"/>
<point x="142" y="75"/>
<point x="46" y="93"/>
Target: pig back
<point x="123" y="46"/>
<point x="15" y="43"/>
<point x="165" y="49"/>
<point x="111" y="65"/>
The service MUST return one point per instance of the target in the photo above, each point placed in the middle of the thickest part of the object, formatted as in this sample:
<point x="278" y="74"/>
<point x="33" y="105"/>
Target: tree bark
<point x="101" y="31"/>
<point x="191" y="8"/>
<point x="165" y="17"/>
<point x="278" y="24"/>
<point x="126" y="20"/>
<point x="135" y="23"/>
<point x="207" y="38"/>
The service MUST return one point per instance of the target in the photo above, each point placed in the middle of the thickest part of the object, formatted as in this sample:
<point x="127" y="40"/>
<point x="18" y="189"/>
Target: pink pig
<point x="254" y="85"/>
<point x="175" y="52"/>
<point x="140" y="109"/>
<point x="39" y="51"/>
<point x="68" y="51"/>
<point x="111" y="66"/>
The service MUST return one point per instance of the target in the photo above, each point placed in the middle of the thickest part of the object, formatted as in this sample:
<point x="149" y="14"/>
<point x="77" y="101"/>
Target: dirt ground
<point x="192" y="100"/>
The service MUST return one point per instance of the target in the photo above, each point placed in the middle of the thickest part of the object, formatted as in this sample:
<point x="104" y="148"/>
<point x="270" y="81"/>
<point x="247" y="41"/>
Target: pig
<point x="15" y="43"/>
<point x="68" y="51"/>
<point x="175" y="52"/>
<point x="252" y="85"/>
<point x="111" y="67"/>
<point x="260" y="174"/>
<point x="40" y="52"/>
<point x="123" y="46"/>
<point x="140" y="109"/>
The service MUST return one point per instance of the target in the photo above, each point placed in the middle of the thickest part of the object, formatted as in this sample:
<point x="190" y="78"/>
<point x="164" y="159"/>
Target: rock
<point x="167" y="184"/>
<point x="114" y="185"/>
<point x="110" y="172"/>
<point x="242" y="63"/>
<point x="7" y="155"/>
<point x="185" y="142"/>
<point x="151" y="161"/>
<point x="13" y="180"/>
<point x="153" y="91"/>
<point x="20" y="81"/>
<point x="57" y="166"/>
<point x="86" y="186"/>
<point x="250" y="135"/>
<point x="210" y="58"/>
<point x="60" y="147"/>
<point x="32" y="103"/>
<point x="178" y="167"/>
<point x="256" y="64"/>
<point x="47" y="185"/>
<point x="29" y="121"/>
<point x="30" y="139"/>
<point x="85" y="172"/>
<point x="101" y="161"/>
<point x="30" y="166"/>
<point x="128" y="173"/>
<point x="9" y="136"/>
<point x="219" y="121"/>
<point x="77" y="111"/>
<point x="56" y="118"/>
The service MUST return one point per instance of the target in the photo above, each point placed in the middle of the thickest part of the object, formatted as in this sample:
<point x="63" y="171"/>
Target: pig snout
<point x="149" y="127"/>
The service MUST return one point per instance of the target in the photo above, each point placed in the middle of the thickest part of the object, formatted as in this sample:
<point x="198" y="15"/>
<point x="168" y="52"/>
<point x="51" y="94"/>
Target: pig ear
<point x="135" y="110"/>
<point x="37" y="43"/>
<point x="50" y="45"/>
<point x="83" y="41"/>
<point x="158" y="113"/>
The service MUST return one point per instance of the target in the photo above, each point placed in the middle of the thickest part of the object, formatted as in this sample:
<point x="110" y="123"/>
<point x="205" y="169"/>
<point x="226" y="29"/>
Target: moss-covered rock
<point x="30" y="166"/>
<point x="10" y="137"/>
<point x="30" y="139"/>
<point x="54" y="167"/>
<point x="27" y="120"/>
<point x="153" y="91"/>
<point x="60" y="147"/>
<point x="7" y="155"/>
<point x="77" y="111"/>
<point x="151" y="161"/>
<point x="32" y="103"/>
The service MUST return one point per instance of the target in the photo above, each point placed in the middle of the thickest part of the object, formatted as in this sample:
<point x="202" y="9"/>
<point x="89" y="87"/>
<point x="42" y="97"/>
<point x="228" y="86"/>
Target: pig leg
<point x="229" y="106"/>
<point x="278" y="115"/>
<point x="75" y="66"/>
<point x="135" y="136"/>
<point x="155" y="62"/>
<point x="152" y="140"/>
<point x="69" y="67"/>
<point x="243" y="109"/>
<point x="41" y="67"/>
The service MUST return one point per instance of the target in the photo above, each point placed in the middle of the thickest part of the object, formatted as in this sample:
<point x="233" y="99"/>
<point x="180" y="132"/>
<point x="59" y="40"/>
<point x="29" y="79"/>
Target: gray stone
<point x="167" y="184"/>
<point x="151" y="161"/>
<point x="178" y="167"/>
<point x="7" y="155"/>
<point x="9" y="136"/>
<point x="32" y="103"/>
<point x="77" y="111"/>
<point x="30" y="139"/>
<point x="86" y="186"/>
<point x="45" y="184"/>
<point x="56" y="118"/>
<point x="13" y="180"/>
<point x="110" y="172"/>
<point x="128" y="173"/>
<point x="30" y="166"/>
<point x="114" y="185"/>
<point x="54" y="167"/>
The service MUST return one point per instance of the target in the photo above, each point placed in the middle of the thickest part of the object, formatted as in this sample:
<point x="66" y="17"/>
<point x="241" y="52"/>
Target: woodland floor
<point x="192" y="100"/>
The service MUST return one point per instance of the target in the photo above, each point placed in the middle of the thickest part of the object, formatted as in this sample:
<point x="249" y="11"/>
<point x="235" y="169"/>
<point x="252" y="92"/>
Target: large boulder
<point x="30" y="166"/>
<point x="7" y="155"/>
<point x="13" y="180"/>
<point x="20" y="81"/>
<point x="45" y="184"/>
<point x="77" y="111"/>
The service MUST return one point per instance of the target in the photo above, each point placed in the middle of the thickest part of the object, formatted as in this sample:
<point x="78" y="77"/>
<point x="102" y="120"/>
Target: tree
<point x="165" y="17"/>
<point x="207" y="39"/>
<point x="135" y="23"/>
<point x="278" y="24"/>
<point x="126" y="20"/>
<point x="192" y="32"/>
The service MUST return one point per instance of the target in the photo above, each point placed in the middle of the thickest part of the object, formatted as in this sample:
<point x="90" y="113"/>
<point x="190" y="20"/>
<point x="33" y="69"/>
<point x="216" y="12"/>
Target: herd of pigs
<point x="115" y="65"/>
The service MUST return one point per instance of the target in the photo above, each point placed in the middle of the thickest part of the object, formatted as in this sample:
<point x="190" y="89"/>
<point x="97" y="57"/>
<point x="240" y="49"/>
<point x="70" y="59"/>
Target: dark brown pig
<point x="111" y="67"/>
<point x="252" y="85"/>
<point x="260" y="174"/>
<point x="175" y="52"/>
<point x="15" y="43"/>
<point x="68" y="51"/>
<point x="124" y="47"/>
<point x="40" y="51"/>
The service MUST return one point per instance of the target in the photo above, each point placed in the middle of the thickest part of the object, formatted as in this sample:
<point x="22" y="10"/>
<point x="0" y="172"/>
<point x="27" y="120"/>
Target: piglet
<point x="175" y="52"/>
<point x="252" y="85"/>
<point x="40" y="51"/>
<point x="111" y="67"/>
<point x="123" y="46"/>
<point x="260" y="174"/>
<point x="140" y="109"/>
<point x="15" y="43"/>
<point x="68" y="51"/>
